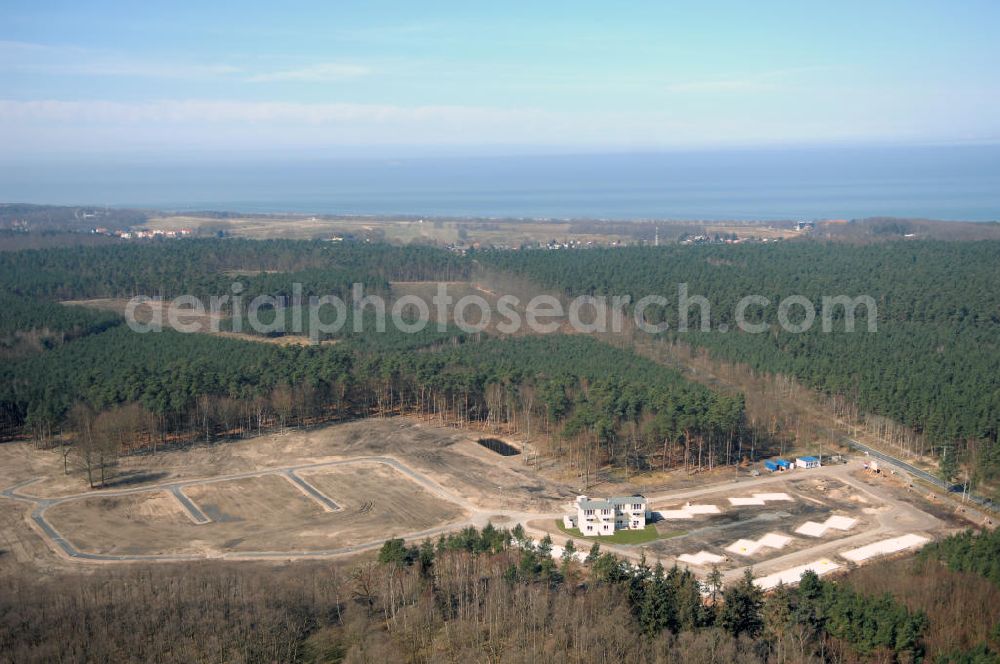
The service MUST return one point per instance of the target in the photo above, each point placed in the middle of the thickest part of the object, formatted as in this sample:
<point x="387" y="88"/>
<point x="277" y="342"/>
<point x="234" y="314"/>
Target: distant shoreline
<point x="941" y="182"/>
<point x="31" y="226"/>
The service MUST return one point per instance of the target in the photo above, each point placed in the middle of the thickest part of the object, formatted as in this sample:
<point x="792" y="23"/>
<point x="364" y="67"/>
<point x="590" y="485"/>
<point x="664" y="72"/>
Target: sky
<point x="345" y="78"/>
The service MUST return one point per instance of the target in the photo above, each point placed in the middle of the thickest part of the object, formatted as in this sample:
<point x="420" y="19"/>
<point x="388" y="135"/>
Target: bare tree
<point x="81" y="419"/>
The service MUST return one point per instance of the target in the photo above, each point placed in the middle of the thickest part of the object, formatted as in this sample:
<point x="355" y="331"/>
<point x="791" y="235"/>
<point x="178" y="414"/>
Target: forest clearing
<point x="342" y="490"/>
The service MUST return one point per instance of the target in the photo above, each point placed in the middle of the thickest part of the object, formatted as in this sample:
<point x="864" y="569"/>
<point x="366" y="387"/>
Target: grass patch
<point x="647" y="534"/>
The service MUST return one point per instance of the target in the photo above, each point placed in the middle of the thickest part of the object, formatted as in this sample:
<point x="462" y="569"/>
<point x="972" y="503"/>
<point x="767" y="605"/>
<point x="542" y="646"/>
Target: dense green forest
<point x="474" y="595"/>
<point x="49" y="322"/>
<point x="607" y="404"/>
<point x="209" y="267"/>
<point x="933" y="364"/>
<point x="976" y="552"/>
<point x="603" y="404"/>
<point x="581" y="398"/>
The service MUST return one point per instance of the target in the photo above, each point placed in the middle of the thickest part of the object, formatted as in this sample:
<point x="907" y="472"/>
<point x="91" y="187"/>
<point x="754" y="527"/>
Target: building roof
<point x="809" y="458"/>
<point x="610" y="502"/>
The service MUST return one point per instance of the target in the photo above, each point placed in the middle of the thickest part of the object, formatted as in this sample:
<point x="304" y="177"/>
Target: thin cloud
<point x="326" y="71"/>
<point x="205" y="112"/>
<point x="74" y="61"/>
<point x="387" y="32"/>
<point x="95" y="126"/>
<point x="136" y="69"/>
<point x="731" y="85"/>
<point x="60" y="60"/>
<point x="761" y="82"/>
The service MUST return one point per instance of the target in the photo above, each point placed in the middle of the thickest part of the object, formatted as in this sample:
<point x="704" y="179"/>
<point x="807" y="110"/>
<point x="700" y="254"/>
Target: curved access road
<point x="62" y="545"/>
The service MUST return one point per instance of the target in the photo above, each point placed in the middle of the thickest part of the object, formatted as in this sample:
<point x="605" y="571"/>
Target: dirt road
<point x="62" y="545"/>
<point x="894" y="516"/>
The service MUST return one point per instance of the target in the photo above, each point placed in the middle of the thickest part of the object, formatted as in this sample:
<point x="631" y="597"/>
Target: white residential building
<point x="604" y="517"/>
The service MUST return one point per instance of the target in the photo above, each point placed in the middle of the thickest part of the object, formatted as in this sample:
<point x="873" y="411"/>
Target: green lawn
<point x="647" y="534"/>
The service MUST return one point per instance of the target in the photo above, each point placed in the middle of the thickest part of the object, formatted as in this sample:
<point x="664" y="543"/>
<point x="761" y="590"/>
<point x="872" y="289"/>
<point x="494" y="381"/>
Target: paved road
<point x="193" y="510"/>
<point x="922" y="474"/>
<point x="314" y="493"/>
<point x="61" y="543"/>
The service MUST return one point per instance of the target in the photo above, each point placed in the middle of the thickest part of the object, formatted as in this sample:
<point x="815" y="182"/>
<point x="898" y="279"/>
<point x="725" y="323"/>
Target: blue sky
<point x="345" y="78"/>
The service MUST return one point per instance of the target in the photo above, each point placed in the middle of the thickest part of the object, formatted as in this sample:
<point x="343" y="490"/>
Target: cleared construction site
<point x="822" y="519"/>
<point x="344" y="489"/>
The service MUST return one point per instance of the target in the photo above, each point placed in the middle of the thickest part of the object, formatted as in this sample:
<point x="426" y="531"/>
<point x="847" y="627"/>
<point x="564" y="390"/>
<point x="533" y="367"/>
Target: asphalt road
<point x="922" y="474"/>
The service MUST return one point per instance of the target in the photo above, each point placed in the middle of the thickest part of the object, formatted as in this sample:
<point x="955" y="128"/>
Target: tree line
<point x="473" y="595"/>
<point x="573" y="396"/>
<point x="39" y="324"/>
<point x="599" y="403"/>
<point x="969" y="551"/>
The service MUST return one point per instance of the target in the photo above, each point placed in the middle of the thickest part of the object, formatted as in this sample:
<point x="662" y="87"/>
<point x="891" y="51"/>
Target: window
<point x="589" y="512"/>
<point x="589" y="528"/>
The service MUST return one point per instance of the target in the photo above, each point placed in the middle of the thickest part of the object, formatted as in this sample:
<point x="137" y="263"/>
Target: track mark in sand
<point x="312" y="492"/>
<point x="813" y="529"/>
<point x="689" y="511"/>
<point x="885" y="547"/>
<point x="794" y="575"/>
<point x="748" y="547"/>
<point x="760" y="499"/>
<point x="192" y="510"/>
<point x="702" y="558"/>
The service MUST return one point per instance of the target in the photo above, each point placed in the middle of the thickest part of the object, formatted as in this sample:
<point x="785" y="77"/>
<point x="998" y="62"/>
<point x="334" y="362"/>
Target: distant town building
<point x="604" y="517"/>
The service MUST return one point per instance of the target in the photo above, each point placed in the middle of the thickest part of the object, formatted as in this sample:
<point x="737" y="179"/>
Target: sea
<point x="935" y="182"/>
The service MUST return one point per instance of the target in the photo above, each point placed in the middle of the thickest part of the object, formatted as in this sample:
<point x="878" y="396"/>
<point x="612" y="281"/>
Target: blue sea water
<point x="943" y="182"/>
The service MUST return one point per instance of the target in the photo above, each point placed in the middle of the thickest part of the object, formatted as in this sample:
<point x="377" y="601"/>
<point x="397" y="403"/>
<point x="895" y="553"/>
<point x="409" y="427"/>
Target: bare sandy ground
<point x="249" y="504"/>
<point x="451" y="456"/>
<point x="343" y="489"/>
<point x="263" y="513"/>
<point x="882" y="509"/>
